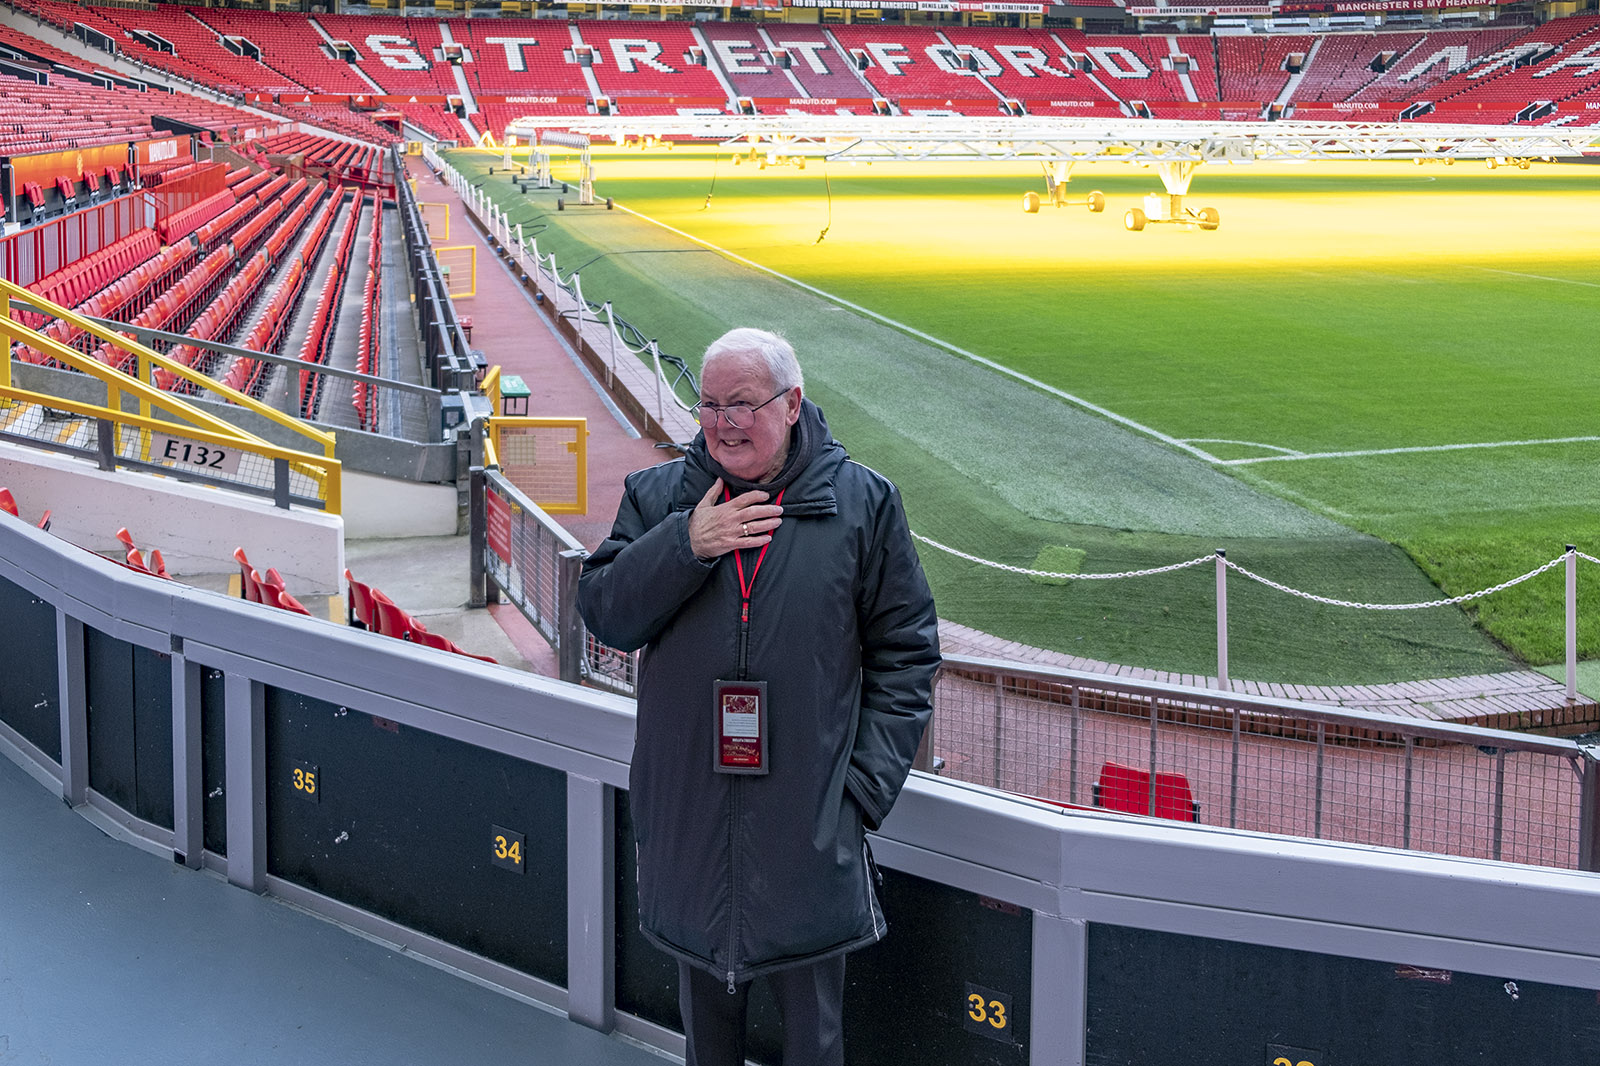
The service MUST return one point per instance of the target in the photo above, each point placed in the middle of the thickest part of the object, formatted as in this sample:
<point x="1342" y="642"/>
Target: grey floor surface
<point x="110" y="956"/>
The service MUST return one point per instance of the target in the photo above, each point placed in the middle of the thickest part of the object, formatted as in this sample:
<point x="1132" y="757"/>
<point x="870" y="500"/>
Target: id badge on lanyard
<point x="740" y="707"/>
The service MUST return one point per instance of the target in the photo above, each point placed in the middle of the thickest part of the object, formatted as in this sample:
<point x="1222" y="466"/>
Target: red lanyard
<point x="746" y="587"/>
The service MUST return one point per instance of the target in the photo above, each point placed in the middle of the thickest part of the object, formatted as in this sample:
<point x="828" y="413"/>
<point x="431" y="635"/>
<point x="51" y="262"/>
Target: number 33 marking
<point x="993" y="1012"/>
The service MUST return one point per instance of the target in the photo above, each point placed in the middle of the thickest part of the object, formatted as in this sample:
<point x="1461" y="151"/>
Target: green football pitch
<point x="1374" y="382"/>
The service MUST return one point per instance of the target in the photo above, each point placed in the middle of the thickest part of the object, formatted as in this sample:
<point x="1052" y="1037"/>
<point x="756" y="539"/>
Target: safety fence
<point x="156" y="430"/>
<point x="1267" y="765"/>
<point x="521" y="551"/>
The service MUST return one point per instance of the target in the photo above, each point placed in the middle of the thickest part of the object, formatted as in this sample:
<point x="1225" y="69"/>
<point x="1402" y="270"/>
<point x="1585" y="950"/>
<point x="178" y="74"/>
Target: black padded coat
<point x="745" y="875"/>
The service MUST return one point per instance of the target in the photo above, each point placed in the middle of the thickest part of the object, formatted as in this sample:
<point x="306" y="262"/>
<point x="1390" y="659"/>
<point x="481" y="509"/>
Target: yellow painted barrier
<point x="430" y="212"/>
<point x="546" y="458"/>
<point x="182" y="420"/>
<point x="459" y="265"/>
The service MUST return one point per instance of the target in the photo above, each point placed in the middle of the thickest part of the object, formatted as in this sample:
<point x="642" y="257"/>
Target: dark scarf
<point x="806" y="439"/>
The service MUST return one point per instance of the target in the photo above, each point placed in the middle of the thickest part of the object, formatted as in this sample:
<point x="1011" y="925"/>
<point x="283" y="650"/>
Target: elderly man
<point x="790" y="643"/>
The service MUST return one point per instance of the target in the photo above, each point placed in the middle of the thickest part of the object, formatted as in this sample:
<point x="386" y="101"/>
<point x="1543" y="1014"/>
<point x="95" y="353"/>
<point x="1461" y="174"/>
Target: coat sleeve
<point x="635" y="582"/>
<point x="899" y="657"/>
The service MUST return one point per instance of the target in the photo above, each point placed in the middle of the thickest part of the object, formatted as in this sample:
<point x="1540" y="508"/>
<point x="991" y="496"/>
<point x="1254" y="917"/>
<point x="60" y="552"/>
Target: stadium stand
<point x="647" y="68"/>
<point x="820" y="65"/>
<point x="516" y="56"/>
<point x="1021" y="64"/>
<point x="746" y="60"/>
<point x="401" y="55"/>
<point x="170" y="38"/>
<point x="1433" y="59"/>
<point x="918" y="64"/>
<point x="290" y="45"/>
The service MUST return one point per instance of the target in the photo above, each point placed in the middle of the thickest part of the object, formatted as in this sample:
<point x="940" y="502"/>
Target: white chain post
<point x="1572" y="623"/>
<point x="611" y="361"/>
<point x="1222" y="621"/>
<point x="655" y="354"/>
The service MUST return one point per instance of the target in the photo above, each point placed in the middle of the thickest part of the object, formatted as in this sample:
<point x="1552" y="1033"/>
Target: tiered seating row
<point x="370" y="609"/>
<point x="123" y="299"/>
<point x="173" y="309"/>
<point x="74" y="284"/>
<point x="180" y="224"/>
<point x="315" y="349"/>
<point x="365" y="400"/>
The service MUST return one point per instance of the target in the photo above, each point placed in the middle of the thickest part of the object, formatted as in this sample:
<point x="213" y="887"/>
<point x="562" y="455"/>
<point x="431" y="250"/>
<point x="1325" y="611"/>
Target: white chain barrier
<point x="1253" y="576"/>
<point x="1051" y="574"/>
<point x="1231" y="565"/>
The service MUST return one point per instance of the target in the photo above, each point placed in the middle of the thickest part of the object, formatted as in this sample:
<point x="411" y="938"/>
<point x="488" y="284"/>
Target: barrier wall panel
<point x="944" y="946"/>
<point x="28" y="699"/>
<point x="129" y="699"/>
<point x="213" y="761"/>
<point x="1163" y="997"/>
<point x="403" y="823"/>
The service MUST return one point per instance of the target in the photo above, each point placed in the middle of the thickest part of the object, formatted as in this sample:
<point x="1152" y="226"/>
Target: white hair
<point x="769" y="348"/>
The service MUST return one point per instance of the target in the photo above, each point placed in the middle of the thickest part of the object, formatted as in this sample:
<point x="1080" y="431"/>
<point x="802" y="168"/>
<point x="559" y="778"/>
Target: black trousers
<point x="810" y="1004"/>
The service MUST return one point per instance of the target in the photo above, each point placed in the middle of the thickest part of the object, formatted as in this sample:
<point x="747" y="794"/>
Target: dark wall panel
<point x="213" y="760"/>
<point x="404" y="823"/>
<point x="1161" y="997"/>
<point x="28" y="699"/>
<point x="129" y="697"/>
<point x="949" y="985"/>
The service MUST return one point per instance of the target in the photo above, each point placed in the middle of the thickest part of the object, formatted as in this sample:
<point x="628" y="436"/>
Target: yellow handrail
<point x="116" y="381"/>
<point x="324" y="470"/>
<point x="136" y="383"/>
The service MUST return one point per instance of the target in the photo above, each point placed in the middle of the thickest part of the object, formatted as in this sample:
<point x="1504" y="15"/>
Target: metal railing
<point x="162" y="432"/>
<point x="445" y="346"/>
<point x="656" y="384"/>
<point x="1272" y="765"/>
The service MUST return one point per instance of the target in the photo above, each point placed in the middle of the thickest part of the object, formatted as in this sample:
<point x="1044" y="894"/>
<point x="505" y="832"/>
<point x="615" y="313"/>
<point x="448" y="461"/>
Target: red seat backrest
<point x="1127" y="789"/>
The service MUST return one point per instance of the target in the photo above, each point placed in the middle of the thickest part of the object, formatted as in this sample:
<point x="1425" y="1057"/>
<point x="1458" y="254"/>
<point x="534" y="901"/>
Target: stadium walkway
<point x="514" y="332"/>
<point x="111" y="956"/>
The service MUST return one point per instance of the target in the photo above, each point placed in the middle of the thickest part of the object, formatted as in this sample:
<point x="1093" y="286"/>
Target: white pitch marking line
<point x="1541" y="277"/>
<point x="1403" y="451"/>
<point x="1242" y="443"/>
<point x="1139" y="427"/>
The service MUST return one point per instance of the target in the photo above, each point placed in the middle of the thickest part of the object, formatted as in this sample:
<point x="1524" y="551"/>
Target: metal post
<point x="1572" y="623"/>
<point x="1589" y="810"/>
<point x="611" y="355"/>
<point x="1499" y="798"/>
<point x="1322" y="740"/>
<point x="655" y="356"/>
<point x="245" y="783"/>
<point x="569" y="625"/>
<point x="73" y="688"/>
<point x="106" y="440"/>
<point x="1233" y="777"/>
<point x="1150" y="798"/>
<point x="478" y="534"/>
<point x="188" y="798"/>
<point x="999" y="723"/>
<point x="591" y="903"/>
<point x="1072" y="761"/>
<point x="280" y="483"/>
<point x="1222" y="621"/>
<point x="1405" y="831"/>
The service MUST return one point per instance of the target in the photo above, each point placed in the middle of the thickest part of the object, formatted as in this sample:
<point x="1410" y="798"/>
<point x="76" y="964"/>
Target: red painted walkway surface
<point x="514" y="333"/>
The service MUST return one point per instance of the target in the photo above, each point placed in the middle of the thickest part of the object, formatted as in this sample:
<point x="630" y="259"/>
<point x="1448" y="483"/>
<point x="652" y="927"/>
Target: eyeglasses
<point x="737" y="415"/>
